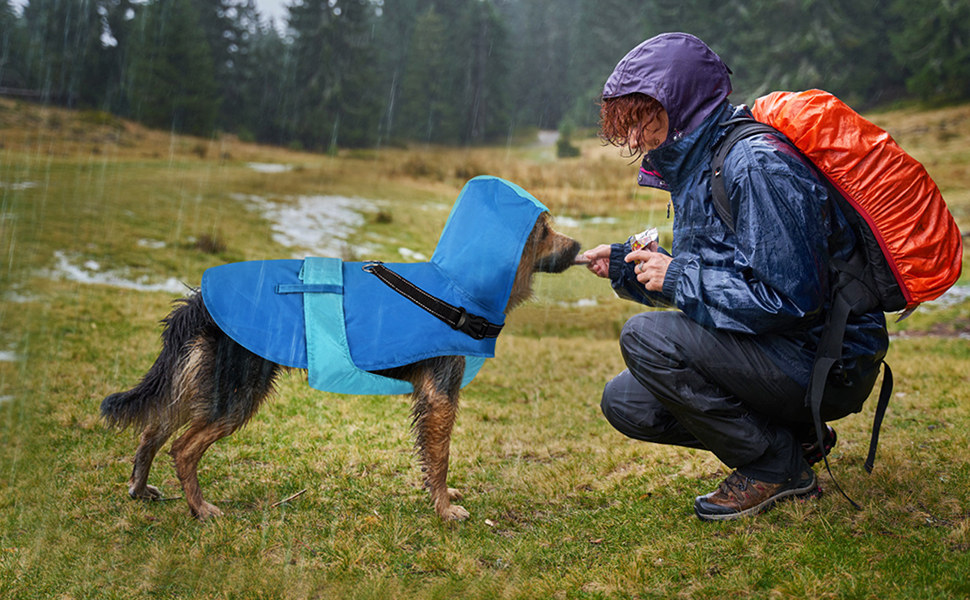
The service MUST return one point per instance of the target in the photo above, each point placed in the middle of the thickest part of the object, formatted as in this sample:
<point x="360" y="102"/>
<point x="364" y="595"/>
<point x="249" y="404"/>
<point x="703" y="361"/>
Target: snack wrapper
<point x="641" y="240"/>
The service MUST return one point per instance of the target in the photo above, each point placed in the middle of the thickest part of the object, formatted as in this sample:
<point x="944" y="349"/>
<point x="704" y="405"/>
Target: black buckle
<point x="472" y="325"/>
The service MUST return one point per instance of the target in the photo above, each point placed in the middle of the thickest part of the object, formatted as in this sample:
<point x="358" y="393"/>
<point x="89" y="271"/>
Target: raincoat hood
<point x="341" y="322"/>
<point x="681" y="72"/>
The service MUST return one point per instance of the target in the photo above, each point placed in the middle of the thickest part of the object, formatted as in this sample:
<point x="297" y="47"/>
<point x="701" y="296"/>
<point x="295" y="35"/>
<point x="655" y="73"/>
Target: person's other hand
<point x="652" y="268"/>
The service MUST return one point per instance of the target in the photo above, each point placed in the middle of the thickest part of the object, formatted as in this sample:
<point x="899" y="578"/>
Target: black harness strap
<point x="456" y="317"/>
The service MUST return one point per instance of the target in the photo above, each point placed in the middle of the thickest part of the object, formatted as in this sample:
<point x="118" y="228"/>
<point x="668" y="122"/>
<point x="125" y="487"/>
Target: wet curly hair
<point x="630" y="115"/>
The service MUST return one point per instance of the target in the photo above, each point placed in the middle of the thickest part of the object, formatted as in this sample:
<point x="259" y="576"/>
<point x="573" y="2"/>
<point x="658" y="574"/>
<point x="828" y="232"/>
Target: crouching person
<point x="727" y="371"/>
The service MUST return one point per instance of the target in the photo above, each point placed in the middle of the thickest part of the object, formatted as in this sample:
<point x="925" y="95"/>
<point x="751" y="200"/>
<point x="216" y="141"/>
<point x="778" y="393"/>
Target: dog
<point x="205" y="380"/>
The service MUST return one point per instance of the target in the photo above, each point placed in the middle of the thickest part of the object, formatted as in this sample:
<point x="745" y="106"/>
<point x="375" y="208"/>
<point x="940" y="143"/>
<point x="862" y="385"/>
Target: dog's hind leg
<point x="152" y="439"/>
<point x="187" y="450"/>
<point x="221" y="386"/>
<point x="437" y="383"/>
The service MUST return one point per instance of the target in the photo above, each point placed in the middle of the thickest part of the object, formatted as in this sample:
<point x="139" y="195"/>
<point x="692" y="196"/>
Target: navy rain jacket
<point x="770" y="277"/>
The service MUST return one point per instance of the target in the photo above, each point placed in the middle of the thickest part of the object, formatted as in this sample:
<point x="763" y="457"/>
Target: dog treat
<point x="581" y="260"/>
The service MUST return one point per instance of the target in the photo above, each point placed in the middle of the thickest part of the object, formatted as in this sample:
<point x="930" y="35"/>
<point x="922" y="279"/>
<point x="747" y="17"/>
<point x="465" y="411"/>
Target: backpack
<point x="909" y="248"/>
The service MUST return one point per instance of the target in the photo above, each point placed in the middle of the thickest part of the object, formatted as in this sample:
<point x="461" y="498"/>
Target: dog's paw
<point x="149" y="492"/>
<point x="206" y="511"/>
<point x="454" y="494"/>
<point x="453" y="513"/>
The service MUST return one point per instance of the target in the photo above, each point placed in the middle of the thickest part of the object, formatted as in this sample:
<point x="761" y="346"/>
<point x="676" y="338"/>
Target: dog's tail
<point x="146" y="402"/>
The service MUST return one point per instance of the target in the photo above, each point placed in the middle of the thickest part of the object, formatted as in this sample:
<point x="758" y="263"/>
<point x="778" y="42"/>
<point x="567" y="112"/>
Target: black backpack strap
<point x="457" y="317"/>
<point x="741" y="128"/>
<point x="884" y="394"/>
<point x="827" y="359"/>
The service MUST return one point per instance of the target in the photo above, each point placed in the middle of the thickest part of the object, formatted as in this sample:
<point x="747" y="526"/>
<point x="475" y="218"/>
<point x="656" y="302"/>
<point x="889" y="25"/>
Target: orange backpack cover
<point x="890" y="189"/>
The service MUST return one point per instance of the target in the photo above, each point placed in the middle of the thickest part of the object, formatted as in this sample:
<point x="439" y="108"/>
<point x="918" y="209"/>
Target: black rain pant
<point x="690" y="386"/>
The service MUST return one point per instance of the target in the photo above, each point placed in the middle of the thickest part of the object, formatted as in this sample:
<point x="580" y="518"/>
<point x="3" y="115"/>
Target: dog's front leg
<point x="435" y="408"/>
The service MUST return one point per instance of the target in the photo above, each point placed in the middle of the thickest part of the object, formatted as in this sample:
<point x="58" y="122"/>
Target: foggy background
<point x="360" y="73"/>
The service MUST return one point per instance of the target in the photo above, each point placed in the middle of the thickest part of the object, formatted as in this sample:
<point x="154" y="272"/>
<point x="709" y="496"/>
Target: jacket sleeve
<point x="778" y="278"/>
<point x="623" y="278"/>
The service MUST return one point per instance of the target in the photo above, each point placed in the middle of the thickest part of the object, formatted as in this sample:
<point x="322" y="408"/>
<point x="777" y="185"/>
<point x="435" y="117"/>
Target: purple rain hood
<point x="681" y="72"/>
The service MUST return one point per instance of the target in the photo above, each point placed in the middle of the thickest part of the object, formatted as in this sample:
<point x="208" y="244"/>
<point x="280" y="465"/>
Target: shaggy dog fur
<point x="205" y="380"/>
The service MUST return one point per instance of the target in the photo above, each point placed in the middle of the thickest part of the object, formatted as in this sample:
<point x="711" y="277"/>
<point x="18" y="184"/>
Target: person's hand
<point x="652" y="268"/>
<point x="598" y="260"/>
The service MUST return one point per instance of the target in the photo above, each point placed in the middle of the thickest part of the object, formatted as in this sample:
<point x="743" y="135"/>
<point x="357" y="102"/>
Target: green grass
<point x="562" y="505"/>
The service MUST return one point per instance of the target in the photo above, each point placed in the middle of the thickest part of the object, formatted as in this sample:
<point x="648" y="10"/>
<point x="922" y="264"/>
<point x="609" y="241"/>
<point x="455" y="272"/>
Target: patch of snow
<point x="581" y="303"/>
<point x="269" y="167"/>
<point x="547" y="137"/>
<point x="153" y="244"/>
<point x="14" y="295"/>
<point x="411" y="254"/>
<point x="8" y="356"/>
<point x="65" y="269"/>
<point x="5" y="399"/>
<point x="24" y="185"/>
<point x="563" y="221"/>
<point x="320" y="225"/>
<point x="954" y="295"/>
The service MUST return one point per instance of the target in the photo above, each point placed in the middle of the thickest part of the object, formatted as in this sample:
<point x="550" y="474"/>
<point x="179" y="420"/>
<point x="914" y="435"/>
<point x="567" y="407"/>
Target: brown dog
<point x="198" y="363"/>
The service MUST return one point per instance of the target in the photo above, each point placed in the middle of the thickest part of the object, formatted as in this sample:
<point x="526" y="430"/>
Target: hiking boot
<point x="810" y="450"/>
<point x="739" y="496"/>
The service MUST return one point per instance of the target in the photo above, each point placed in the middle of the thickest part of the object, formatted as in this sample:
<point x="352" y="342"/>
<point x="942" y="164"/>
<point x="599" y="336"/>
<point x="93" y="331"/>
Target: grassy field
<point x="99" y="221"/>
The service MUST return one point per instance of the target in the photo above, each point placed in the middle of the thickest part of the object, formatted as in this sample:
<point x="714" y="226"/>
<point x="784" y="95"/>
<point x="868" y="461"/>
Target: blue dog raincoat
<point x="340" y="322"/>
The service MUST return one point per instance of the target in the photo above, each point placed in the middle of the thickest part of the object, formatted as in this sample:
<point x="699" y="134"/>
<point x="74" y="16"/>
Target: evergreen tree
<point x="606" y="31"/>
<point x="7" y="16"/>
<point x="230" y="26"/>
<point x="10" y="48"/>
<point x="357" y="72"/>
<point x="934" y="45"/>
<point x="393" y="34"/>
<point x="333" y="61"/>
<point x="270" y="89"/>
<point x="357" y="102"/>
<point x="542" y="78"/>
<point x="63" y="50"/>
<point x="120" y="17"/>
<point x="172" y="84"/>
<point x="427" y="112"/>
<point x="486" y="94"/>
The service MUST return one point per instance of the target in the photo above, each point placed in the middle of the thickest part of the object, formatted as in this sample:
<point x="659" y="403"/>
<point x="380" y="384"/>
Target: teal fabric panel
<point x="331" y="367"/>
<point x="473" y="364"/>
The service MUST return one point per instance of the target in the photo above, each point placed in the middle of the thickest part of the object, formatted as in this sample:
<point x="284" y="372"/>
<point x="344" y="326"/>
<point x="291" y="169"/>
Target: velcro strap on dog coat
<point x="330" y="366"/>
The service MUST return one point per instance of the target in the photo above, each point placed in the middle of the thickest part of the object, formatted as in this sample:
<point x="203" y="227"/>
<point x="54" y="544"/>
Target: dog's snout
<point x="562" y="255"/>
